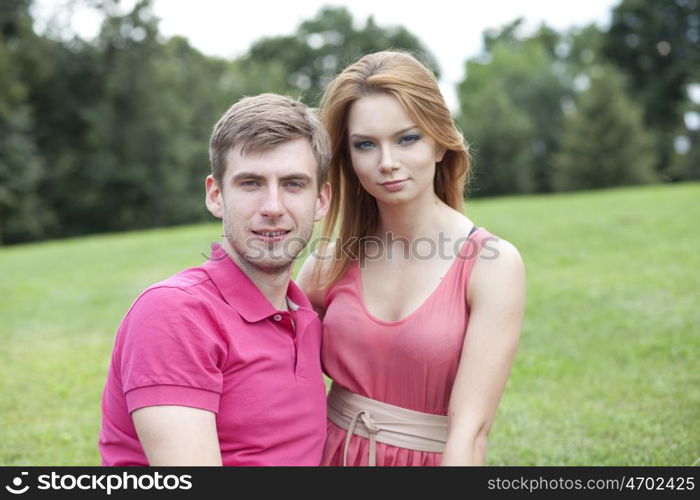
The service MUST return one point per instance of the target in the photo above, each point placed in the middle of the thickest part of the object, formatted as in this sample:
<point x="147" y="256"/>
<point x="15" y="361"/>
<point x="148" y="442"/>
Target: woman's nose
<point x="387" y="162"/>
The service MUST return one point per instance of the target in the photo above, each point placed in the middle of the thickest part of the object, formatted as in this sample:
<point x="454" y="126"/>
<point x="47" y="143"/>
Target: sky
<point x="451" y="30"/>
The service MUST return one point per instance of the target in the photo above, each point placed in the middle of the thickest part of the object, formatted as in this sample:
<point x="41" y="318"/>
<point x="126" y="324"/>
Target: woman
<point x="422" y="309"/>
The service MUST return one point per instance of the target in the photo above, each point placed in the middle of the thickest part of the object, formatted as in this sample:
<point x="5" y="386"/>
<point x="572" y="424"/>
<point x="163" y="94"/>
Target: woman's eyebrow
<point x="402" y="131"/>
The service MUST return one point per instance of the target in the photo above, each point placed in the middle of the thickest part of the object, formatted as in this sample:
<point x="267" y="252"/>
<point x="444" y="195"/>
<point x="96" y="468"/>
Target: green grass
<point x="607" y="372"/>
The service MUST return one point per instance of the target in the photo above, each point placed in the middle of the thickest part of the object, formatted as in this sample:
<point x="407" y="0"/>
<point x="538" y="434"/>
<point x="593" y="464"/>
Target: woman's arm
<point x="496" y="298"/>
<point x="308" y="279"/>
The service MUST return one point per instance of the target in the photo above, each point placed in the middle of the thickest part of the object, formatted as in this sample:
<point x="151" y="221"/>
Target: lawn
<point x="607" y="372"/>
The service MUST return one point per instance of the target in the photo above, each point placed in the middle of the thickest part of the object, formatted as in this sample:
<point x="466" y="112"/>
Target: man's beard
<point x="269" y="258"/>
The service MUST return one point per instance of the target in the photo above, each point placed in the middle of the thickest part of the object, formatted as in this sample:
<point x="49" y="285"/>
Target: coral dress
<point x="410" y="363"/>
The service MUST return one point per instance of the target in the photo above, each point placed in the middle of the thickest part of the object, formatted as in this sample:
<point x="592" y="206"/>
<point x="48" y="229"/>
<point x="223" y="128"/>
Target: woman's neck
<point x="417" y="219"/>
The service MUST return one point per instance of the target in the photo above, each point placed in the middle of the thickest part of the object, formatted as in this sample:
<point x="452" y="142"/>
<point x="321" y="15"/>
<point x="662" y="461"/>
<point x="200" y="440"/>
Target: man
<point x="220" y="364"/>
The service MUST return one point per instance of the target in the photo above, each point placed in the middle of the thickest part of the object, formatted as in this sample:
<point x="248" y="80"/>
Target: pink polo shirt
<point x="208" y="338"/>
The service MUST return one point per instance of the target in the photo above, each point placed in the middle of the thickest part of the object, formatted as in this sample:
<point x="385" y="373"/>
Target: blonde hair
<point x="352" y="209"/>
<point x="262" y="122"/>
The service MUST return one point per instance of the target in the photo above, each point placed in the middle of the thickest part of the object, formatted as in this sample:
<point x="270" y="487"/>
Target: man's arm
<point x="177" y="435"/>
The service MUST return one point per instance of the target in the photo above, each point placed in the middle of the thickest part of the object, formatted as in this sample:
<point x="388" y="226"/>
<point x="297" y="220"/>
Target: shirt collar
<point x="242" y="294"/>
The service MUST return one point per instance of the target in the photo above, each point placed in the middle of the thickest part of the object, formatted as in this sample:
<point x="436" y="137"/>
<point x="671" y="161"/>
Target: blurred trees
<point x="22" y="212"/>
<point x="604" y="142"/>
<point x="112" y="134"/>
<point x="536" y="106"/>
<point x="510" y="111"/>
<point x="105" y="135"/>
<point x="149" y="129"/>
<point x="657" y="44"/>
<point x="321" y="47"/>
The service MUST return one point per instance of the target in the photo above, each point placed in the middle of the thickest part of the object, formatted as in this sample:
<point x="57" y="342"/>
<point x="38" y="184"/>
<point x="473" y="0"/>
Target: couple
<point x="221" y="363"/>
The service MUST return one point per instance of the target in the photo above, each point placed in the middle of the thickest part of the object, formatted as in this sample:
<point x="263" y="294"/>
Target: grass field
<point x="607" y="373"/>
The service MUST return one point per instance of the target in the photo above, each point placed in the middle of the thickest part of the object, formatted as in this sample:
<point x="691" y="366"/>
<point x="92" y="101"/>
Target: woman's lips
<point x="394" y="185"/>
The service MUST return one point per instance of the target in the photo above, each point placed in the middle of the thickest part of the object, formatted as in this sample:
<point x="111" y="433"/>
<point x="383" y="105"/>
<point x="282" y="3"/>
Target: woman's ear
<point x="439" y="153"/>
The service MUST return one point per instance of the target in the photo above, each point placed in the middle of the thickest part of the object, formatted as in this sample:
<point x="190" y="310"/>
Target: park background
<point x="586" y="149"/>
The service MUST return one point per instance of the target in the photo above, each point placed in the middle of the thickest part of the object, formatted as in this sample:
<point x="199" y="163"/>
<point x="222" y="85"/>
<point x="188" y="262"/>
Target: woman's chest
<point x="392" y="291"/>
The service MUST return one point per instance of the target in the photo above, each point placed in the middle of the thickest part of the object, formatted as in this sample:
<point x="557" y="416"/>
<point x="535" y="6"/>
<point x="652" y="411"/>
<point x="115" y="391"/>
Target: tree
<point x="657" y="44"/>
<point x="685" y="163"/>
<point x="301" y="63"/>
<point x="23" y="214"/>
<point x="150" y="129"/>
<point x="605" y="142"/>
<point x="501" y="145"/>
<point x="513" y="93"/>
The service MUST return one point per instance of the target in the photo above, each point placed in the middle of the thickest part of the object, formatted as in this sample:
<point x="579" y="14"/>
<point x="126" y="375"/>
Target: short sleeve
<point x="171" y="351"/>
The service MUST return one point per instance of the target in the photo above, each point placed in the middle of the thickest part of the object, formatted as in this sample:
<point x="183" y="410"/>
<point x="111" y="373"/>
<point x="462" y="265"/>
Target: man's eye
<point x="295" y="185"/>
<point x="407" y="139"/>
<point x="364" y="144"/>
<point x="250" y="183"/>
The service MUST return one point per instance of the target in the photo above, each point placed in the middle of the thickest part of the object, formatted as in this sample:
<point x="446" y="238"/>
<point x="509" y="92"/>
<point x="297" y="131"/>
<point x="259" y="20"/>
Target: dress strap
<point x="475" y="247"/>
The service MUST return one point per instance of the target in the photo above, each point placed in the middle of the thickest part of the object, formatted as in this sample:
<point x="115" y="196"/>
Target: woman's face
<point x="393" y="159"/>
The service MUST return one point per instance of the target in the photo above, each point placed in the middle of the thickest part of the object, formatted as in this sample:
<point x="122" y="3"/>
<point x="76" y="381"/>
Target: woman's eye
<point x="364" y="145"/>
<point x="407" y="139"/>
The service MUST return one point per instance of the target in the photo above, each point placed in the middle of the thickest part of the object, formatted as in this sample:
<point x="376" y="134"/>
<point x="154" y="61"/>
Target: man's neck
<point x="273" y="285"/>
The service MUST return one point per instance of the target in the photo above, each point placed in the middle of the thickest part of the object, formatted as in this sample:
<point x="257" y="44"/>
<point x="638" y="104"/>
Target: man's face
<point x="269" y="202"/>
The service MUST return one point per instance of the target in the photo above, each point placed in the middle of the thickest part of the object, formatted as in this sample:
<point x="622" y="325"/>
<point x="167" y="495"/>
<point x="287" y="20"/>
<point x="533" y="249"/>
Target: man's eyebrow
<point x="296" y="177"/>
<point x="253" y="176"/>
<point x="247" y="176"/>
<point x="402" y="131"/>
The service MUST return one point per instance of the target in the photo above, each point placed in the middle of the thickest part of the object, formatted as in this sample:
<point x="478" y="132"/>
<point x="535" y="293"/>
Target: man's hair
<point x="258" y="124"/>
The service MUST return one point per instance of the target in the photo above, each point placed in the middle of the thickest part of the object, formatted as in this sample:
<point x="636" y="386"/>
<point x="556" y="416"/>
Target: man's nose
<point x="272" y="204"/>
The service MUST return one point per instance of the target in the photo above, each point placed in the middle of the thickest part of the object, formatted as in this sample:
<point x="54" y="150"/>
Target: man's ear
<point x="323" y="202"/>
<point x="214" y="197"/>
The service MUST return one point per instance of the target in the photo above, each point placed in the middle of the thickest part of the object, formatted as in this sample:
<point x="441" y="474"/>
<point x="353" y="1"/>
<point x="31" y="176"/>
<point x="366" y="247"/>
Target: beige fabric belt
<point x="385" y="423"/>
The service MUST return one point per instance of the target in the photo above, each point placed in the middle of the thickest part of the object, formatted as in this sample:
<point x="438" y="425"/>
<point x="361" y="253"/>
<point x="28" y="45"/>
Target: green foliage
<point x="23" y="215"/>
<point x="20" y="167"/>
<point x="302" y="62"/>
<point x="657" y="44"/>
<point x="686" y="165"/>
<point x="501" y="144"/>
<point x="685" y="161"/>
<point x="109" y="135"/>
<point x="510" y="111"/>
<point x="112" y="134"/>
<point x="605" y="142"/>
<point x="148" y="135"/>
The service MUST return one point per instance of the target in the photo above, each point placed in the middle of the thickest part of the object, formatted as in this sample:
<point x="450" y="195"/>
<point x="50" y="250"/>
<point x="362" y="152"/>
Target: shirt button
<point x="277" y="317"/>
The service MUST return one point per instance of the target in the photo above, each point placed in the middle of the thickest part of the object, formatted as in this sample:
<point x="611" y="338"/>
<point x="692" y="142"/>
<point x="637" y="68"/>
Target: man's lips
<point x="271" y="232"/>
<point x="271" y="235"/>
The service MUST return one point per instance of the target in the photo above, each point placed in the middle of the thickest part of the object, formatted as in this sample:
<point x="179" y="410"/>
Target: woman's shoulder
<point x="499" y="268"/>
